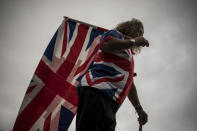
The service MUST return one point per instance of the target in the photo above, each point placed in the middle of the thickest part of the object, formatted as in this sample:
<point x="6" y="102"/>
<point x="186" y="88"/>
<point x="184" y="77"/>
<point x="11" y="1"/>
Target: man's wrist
<point x="132" y="41"/>
<point x="138" y="107"/>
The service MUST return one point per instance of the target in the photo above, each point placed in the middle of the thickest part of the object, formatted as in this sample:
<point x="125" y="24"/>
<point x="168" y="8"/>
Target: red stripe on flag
<point x="65" y="38"/>
<point x="75" y="50"/>
<point x="33" y="111"/>
<point x="82" y="67"/>
<point x="127" y="86"/>
<point x="53" y="85"/>
<point x="43" y="71"/>
<point x="30" y="88"/>
<point x="47" y="123"/>
<point x="57" y="84"/>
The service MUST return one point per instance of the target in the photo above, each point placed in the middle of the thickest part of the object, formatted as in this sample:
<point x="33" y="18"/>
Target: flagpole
<point x="94" y="26"/>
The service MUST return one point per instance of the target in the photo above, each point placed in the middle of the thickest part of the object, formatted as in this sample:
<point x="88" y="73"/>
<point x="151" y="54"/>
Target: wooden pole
<point x="140" y="127"/>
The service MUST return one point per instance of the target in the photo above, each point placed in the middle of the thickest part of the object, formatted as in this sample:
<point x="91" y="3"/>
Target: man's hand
<point x="141" y="41"/>
<point x="143" y="117"/>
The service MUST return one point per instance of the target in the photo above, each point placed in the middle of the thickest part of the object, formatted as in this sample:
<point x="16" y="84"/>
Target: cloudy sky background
<point x="167" y="75"/>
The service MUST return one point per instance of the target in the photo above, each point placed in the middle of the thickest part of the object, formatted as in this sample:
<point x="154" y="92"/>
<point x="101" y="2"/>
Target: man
<point x="109" y="80"/>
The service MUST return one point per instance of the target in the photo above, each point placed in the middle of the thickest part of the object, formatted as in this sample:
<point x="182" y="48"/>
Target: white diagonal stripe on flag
<point x="59" y="41"/>
<point x="30" y="96"/>
<point x="70" y="44"/>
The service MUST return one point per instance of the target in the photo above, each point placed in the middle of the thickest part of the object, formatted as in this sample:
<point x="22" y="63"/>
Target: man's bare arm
<point x="133" y="98"/>
<point x="116" y="45"/>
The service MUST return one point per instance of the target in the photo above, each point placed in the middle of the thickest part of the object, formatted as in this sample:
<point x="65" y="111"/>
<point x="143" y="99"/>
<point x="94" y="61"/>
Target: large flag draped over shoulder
<point x="50" y="102"/>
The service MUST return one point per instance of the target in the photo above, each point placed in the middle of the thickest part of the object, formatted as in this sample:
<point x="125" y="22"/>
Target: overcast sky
<point x="167" y="75"/>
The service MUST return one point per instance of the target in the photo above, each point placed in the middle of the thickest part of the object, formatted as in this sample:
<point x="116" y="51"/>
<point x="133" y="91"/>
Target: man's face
<point x="139" y="33"/>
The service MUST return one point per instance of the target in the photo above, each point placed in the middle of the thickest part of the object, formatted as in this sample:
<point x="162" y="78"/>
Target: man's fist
<point x="141" y="41"/>
<point x="143" y="117"/>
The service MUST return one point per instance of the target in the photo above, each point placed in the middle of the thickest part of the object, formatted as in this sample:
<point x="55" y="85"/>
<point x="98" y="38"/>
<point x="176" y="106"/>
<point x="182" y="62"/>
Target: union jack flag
<point x="50" y="102"/>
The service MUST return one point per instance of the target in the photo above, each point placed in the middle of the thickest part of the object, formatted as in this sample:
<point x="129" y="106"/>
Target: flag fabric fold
<point x="50" y="102"/>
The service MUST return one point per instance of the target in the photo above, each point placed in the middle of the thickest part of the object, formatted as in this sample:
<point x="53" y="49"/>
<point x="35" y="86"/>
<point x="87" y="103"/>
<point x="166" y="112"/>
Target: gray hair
<point x="129" y="28"/>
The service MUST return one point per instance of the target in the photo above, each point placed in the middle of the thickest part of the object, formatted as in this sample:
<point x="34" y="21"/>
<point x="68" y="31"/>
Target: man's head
<point x="133" y="28"/>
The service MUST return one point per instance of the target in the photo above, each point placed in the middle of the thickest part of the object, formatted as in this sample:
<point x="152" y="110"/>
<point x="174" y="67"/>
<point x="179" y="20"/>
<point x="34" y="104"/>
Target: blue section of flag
<point x="100" y="70"/>
<point x="93" y="35"/>
<point x="31" y="81"/>
<point x="72" y="26"/>
<point x="91" y="65"/>
<point x="49" y="50"/>
<point x="65" y="120"/>
<point x="123" y="52"/>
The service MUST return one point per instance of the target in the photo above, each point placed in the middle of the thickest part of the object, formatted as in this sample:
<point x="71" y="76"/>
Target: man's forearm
<point x="133" y="96"/>
<point x="115" y="45"/>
